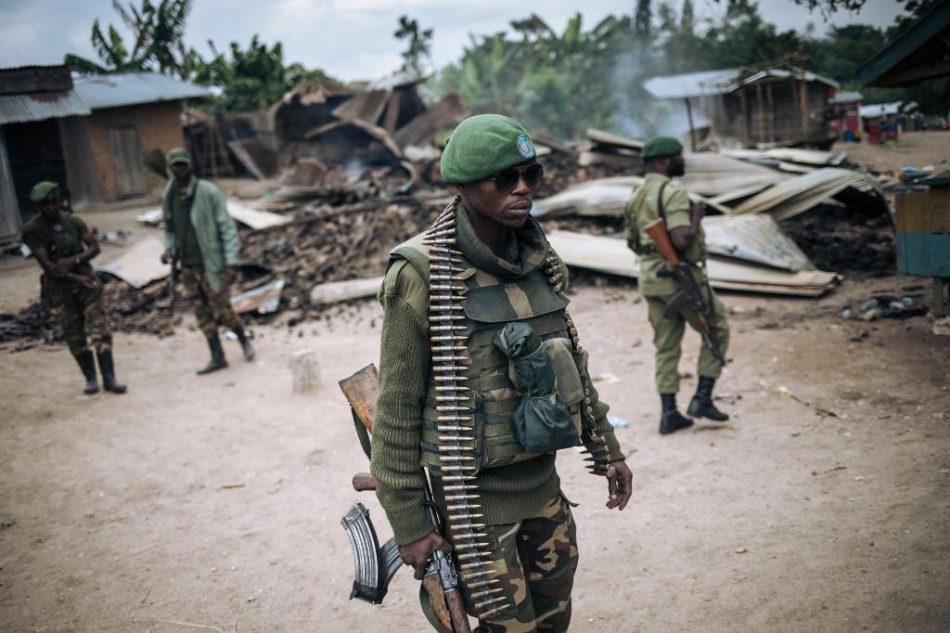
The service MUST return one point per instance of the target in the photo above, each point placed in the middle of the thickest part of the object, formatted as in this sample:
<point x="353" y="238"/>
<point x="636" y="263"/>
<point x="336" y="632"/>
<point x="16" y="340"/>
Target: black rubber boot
<point x="701" y="406"/>
<point x="246" y="346"/>
<point x="217" y="356"/>
<point x="87" y="363"/>
<point x="672" y="420"/>
<point x="107" y="368"/>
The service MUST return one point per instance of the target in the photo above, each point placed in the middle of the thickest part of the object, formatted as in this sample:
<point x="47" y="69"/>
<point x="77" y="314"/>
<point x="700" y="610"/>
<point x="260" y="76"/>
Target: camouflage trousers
<point x="668" y="339"/>
<point x="79" y="312"/>
<point x="211" y="308"/>
<point x="535" y="559"/>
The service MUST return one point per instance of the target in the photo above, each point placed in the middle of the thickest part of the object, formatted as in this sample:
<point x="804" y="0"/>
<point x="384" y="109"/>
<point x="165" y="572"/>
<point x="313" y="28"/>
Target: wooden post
<point x="760" y="115"/>
<point x="803" y="101"/>
<point x="745" y="117"/>
<point x="692" y="130"/>
<point x="768" y="92"/>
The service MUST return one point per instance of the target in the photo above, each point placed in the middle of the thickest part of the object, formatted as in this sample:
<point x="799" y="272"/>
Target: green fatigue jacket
<point x="509" y="493"/>
<point x="643" y="209"/>
<point x="214" y="228"/>
<point x="62" y="240"/>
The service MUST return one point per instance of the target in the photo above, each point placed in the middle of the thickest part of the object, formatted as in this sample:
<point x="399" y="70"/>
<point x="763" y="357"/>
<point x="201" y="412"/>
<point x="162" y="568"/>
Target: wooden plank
<point x="125" y="147"/>
<point x="9" y="207"/>
<point x="255" y="218"/>
<point x="336" y="291"/>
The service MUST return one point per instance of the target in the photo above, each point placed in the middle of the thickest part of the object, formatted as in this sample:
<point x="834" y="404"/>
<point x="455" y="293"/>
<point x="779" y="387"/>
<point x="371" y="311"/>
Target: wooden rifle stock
<point x="360" y="390"/>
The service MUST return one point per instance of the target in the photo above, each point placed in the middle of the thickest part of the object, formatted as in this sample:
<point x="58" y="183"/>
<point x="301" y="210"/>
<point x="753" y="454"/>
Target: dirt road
<point x="213" y="503"/>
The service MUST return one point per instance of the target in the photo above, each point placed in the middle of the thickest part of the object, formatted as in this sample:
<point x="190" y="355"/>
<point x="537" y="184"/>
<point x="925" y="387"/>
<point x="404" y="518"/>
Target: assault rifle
<point x="173" y="280"/>
<point x="689" y="291"/>
<point x="440" y="593"/>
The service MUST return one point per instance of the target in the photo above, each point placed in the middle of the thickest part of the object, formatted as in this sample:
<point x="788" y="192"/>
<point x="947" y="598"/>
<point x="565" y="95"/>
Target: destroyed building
<point x="760" y="105"/>
<point x="89" y="134"/>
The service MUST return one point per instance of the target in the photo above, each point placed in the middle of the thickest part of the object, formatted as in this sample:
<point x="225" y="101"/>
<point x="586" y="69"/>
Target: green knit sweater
<point x="509" y="493"/>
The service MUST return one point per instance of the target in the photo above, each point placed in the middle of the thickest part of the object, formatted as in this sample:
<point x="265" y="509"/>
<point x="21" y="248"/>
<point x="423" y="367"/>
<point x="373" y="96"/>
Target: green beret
<point x="178" y="155"/>
<point x="44" y="190"/>
<point x="482" y="145"/>
<point x="661" y="147"/>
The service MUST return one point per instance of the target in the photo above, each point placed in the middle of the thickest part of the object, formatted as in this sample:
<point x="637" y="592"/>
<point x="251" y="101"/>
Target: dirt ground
<point x="213" y="503"/>
<point x="912" y="148"/>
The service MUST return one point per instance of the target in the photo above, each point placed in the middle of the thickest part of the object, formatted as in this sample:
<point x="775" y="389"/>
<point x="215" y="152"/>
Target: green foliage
<point x="157" y="43"/>
<point x="418" y="54"/>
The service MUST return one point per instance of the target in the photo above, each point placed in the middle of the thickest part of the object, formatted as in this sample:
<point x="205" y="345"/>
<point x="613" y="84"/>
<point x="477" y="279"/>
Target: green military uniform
<point x="529" y="527"/>
<point x="641" y="210"/>
<point x="76" y="308"/>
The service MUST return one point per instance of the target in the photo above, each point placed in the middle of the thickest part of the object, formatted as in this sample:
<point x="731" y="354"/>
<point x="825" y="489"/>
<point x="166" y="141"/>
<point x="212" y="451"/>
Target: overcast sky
<point x="349" y="39"/>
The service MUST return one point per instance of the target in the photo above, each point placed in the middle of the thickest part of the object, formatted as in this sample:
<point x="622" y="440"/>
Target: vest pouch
<point x="542" y="423"/>
<point x="569" y="385"/>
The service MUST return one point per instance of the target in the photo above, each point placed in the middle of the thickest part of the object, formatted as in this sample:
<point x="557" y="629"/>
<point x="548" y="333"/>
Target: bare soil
<point x="912" y="148"/>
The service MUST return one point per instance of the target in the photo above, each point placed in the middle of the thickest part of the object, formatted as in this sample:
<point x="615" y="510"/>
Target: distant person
<point x="200" y="231"/>
<point x="63" y="246"/>
<point x="660" y="197"/>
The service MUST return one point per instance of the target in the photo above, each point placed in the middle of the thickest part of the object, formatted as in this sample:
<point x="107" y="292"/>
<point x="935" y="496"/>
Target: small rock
<point x="741" y="550"/>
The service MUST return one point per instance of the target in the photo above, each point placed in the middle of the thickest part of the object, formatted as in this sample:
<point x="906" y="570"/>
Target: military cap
<point x="178" y="155"/>
<point x="661" y="147"/>
<point x="44" y="190"/>
<point x="482" y="145"/>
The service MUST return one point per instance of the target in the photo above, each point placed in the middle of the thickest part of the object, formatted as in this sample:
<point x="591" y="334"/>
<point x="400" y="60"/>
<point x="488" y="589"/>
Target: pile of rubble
<point x="357" y="173"/>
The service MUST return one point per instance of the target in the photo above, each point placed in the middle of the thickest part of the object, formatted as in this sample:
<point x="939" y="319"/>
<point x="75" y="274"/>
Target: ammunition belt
<point x="455" y="419"/>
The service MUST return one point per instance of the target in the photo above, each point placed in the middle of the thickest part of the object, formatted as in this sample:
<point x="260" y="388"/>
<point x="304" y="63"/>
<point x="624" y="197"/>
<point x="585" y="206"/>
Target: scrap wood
<point x="442" y="116"/>
<point x="373" y="131"/>
<point x="254" y="218"/>
<point x="606" y="139"/>
<point x="367" y="106"/>
<point x="337" y="291"/>
<point x="793" y="197"/>
<point x="245" y="157"/>
<point x="611" y="255"/>
<point x="265" y="298"/>
<point x="140" y="263"/>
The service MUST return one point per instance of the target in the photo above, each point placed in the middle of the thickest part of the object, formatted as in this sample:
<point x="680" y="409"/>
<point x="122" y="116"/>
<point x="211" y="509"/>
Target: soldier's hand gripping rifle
<point x="689" y="291"/>
<point x="441" y="594"/>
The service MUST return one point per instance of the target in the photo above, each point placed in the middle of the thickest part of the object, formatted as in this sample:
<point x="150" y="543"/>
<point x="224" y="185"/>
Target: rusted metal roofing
<point x="111" y="91"/>
<point x="36" y="107"/>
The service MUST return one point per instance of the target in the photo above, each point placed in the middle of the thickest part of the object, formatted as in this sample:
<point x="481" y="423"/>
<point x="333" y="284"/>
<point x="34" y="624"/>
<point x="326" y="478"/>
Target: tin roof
<point x="125" y="89"/>
<point x="847" y="96"/>
<point x="36" y="107"/>
<point x="714" y="82"/>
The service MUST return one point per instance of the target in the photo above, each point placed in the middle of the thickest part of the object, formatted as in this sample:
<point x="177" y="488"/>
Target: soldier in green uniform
<point x="658" y="197"/>
<point x="202" y="233"/>
<point x="63" y="246"/>
<point x="482" y="379"/>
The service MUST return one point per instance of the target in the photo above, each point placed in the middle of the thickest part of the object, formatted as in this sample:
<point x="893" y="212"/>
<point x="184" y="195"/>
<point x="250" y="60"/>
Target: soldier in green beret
<point x="63" y="246"/>
<point x="201" y="233"/>
<point x="659" y="196"/>
<point x="482" y="380"/>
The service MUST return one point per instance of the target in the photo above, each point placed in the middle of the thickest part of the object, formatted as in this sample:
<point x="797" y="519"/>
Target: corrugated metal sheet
<point x="713" y="82"/>
<point x="110" y="91"/>
<point x="22" y="108"/>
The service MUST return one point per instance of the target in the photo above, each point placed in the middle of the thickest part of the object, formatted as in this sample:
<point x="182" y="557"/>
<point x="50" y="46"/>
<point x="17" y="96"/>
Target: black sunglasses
<point x="507" y="179"/>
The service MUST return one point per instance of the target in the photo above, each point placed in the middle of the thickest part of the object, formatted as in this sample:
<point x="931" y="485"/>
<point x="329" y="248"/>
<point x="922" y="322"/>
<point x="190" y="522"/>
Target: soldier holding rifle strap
<point x="676" y="295"/>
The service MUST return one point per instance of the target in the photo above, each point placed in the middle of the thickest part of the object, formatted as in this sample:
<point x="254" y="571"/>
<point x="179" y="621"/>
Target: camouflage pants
<point x="668" y="338"/>
<point x="79" y="313"/>
<point x="535" y="559"/>
<point x="211" y="308"/>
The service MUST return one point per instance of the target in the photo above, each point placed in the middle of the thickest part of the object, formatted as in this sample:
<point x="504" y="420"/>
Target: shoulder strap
<point x="660" y="208"/>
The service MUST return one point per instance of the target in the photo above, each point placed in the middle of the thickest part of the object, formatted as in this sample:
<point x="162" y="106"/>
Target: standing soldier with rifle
<point x="63" y="246"/>
<point x="200" y="234"/>
<point x="665" y="231"/>
<point x="482" y="378"/>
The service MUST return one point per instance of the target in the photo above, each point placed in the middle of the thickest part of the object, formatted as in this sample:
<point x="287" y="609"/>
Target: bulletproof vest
<point x="489" y="303"/>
